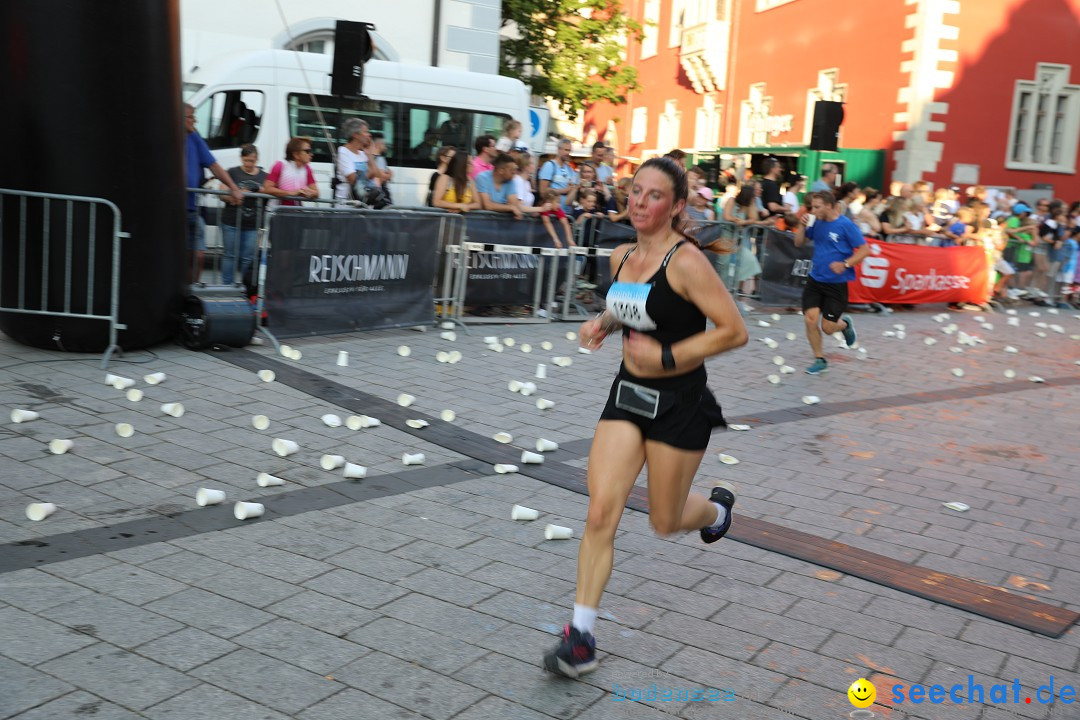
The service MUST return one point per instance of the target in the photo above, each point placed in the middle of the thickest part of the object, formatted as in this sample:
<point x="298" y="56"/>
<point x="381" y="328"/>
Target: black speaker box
<point x="828" y="117"/>
<point x="216" y="315"/>
<point x="352" y="48"/>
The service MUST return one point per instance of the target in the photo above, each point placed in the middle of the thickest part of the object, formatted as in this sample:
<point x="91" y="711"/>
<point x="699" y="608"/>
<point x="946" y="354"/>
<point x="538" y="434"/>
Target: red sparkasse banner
<point x="913" y="274"/>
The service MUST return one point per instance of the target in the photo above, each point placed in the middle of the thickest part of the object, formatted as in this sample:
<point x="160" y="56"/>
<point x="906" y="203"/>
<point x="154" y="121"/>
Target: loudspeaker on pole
<point x="828" y="117"/>
<point x="352" y="48"/>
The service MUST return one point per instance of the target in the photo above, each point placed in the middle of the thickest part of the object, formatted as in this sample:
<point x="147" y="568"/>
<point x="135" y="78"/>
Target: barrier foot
<point x="108" y="355"/>
<point x="273" y="340"/>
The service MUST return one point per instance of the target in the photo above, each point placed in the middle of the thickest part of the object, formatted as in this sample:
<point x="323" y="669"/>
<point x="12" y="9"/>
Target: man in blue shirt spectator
<point x="557" y="174"/>
<point x="838" y="248"/>
<point x="496" y="186"/>
<point x="197" y="158"/>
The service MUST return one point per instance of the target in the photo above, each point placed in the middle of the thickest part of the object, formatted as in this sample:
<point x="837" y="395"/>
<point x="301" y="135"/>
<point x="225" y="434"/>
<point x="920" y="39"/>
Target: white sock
<point x="721" y="515"/>
<point x="584" y="618"/>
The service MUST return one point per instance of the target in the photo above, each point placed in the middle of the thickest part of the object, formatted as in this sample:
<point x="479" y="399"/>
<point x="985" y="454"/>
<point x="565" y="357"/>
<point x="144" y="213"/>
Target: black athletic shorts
<point x="687" y="413"/>
<point x="830" y="297"/>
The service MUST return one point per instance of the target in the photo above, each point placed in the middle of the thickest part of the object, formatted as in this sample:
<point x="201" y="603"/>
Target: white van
<point x="265" y="98"/>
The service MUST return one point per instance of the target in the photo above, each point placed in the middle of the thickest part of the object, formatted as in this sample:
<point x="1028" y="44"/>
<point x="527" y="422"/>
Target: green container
<point x="865" y="167"/>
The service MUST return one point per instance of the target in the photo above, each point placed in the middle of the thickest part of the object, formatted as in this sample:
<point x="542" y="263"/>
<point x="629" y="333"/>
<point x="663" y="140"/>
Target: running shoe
<point x="850" y="337"/>
<point x="574" y="656"/>
<point x="821" y="365"/>
<point x="723" y="494"/>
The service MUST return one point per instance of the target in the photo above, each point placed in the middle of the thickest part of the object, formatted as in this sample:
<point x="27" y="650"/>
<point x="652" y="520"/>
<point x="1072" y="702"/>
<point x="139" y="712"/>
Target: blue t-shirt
<point x="834" y="241"/>
<point x="197" y="158"/>
<point x="559" y="177"/>
<point x="485" y="183"/>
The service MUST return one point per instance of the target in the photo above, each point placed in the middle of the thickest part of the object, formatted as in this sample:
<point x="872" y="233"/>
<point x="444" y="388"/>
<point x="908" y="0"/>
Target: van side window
<point x="321" y="119"/>
<point x="424" y="129"/>
<point x="230" y="118"/>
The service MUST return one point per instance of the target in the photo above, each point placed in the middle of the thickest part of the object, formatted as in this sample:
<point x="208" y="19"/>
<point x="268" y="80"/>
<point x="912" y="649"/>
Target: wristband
<point x="666" y="358"/>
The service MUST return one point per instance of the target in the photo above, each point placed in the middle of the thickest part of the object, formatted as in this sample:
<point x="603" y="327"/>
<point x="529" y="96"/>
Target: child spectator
<point x="700" y="201"/>
<point x="551" y="200"/>
<point x="961" y="231"/>
<point x="1068" y="275"/>
<point x="511" y="138"/>
<point x="586" y="207"/>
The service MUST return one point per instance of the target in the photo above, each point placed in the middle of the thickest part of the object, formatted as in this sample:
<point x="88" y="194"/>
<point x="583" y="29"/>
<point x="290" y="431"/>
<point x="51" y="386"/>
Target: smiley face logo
<point x="862" y="693"/>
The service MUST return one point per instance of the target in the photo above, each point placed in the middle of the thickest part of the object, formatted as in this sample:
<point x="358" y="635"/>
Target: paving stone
<point x="869" y="656"/>
<point x="446" y="586"/>
<point x="213" y="613"/>
<point x="112" y="620"/>
<point x="777" y="627"/>
<point x="302" y="646"/>
<point x="830" y="616"/>
<point x="207" y="702"/>
<point x="350" y="704"/>
<point x="440" y="653"/>
<point x="951" y="651"/>
<point x="1019" y="642"/>
<point x="828" y="592"/>
<point x="715" y="671"/>
<point x="431" y="694"/>
<point x="283" y="687"/>
<point x="248" y="587"/>
<point x="186" y="649"/>
<point x="374" y="563"/>
<point x="442" y="617"/>
<point x="130" y="583"/>
<point x="525" y="685"/>
<point x="495" y="708"/>
<point x="119" y="676"/>
<point x="711" y="636"/>
<point x="355" y="588"/>
<point x="25" y="687"/>
<point x="688" y="602"/>
<point x="32" y="640"/>
<point x="76" y="705"/>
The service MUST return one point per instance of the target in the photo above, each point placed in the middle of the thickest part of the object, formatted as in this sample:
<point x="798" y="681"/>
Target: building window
<point x="707" y="125"/>
<point x="763" y="5"/>
<point x="652" y="28"/>
<point x="678" y="22"/>
<point x="1045" y="122"/>
<point x="639" y="126"/>
<point x="827" y="89"/>
<point x="668" y="132"/>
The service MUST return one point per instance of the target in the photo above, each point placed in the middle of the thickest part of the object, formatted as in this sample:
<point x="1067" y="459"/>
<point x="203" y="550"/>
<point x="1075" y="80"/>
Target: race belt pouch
<point x="637" y="399"/>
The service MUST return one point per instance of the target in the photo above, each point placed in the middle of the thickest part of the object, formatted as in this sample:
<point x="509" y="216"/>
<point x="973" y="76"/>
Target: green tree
<point x="569" y="50"/>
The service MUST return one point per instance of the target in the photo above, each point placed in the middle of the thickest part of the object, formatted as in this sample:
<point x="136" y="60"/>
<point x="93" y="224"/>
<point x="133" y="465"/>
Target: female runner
<point x="659" y="410"/>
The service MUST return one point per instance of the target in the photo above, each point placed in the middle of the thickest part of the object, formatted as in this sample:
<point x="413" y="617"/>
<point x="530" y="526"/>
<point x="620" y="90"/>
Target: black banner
<point x="608" y="235"/>
<point x="331" y="272"/>
<point x="497" y="278"/>
<point x="784" y="269"/>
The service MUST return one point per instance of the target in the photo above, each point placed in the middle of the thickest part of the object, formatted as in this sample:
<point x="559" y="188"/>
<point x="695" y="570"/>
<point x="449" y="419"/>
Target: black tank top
<point x="652" y="307"/>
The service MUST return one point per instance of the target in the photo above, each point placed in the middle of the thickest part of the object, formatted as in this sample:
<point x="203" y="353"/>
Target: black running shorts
<point x="830" y="297"/>
<point x="688" y="410"/>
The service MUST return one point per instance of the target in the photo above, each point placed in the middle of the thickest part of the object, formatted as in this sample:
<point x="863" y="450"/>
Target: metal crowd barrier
<point x="61" y="210"/>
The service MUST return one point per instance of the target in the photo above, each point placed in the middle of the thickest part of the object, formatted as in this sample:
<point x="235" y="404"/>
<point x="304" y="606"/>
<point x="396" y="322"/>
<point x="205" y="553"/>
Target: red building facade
<point x="955" y="91"/>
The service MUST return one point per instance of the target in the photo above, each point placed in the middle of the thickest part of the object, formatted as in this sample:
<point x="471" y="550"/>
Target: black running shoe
<point x="723" y="494"/>
<point x="574" y="656"/>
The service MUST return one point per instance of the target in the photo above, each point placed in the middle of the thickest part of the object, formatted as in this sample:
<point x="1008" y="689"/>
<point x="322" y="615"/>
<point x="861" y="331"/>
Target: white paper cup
<point x="811" y="399"/>
<point x="39" y="511"/>
<point x="354" y="471"/>
<point x="930" y="341"/>
<point x="268" y="480"/>
<point x="114" y="380"/>
<point x="417" y="424"/>
<point x="526" y="348"/>
<point x="495" y="348"/>
<point x="543" y="445"/>
<point x="59" y="447"/>
<point x="448" y="415"/>
<point x="774" y="379"/>
<point x="447" y="325"/>
<point x="354" y="422"/>
<point x="206" y="496"/>
<point x="1036" y="379"/>
<point x="528" y="388"/>
<point x="366" y="421"/>
<point x="134" y="395"/>
<point x="342" y="358"/>
<point x="266" y="375"/>
<point x="505" y="469"/>
<point x="562" y="361"/>
<point x="771" y="344"/>
<point x="958" y="372"/>
<point x="557" y="532"/>
<point x="174" y="409"/>
<point x="543" y="404"/>
<point x="442" y="356"/>
<point x="448" y="335"/>
<point x="503" y="437"/>
<point x="248" y="510"/>
<point x="286" y="351"/>
<point x="331" y="420"/>
<point x="514" y="386"/>
<point x="21" y="416"/>
<point x="520" y="512"/>
<point x="123" y="383"/>
<point x="284" y="447"/>
<point x="531" y="458"/>
<point x="405" y="399"/>
<point x="295" y="355"/>
<point x="454" y="357"/>
<point x="491" y="340"/>
<point x="777" y="360"/>
<point x="404" y="350"/>
<point x="787" y="369"/>
<point x="541" y="371"/>
<point x="260" y="422"/>
<point x="125" y="430"/>
<point x="728" y="459"/>
<point x="791" y="336"/>
<point x="332" y="462"/>
<point x="1010" y="373"/>
<point x="571" y="335"/>
<point x="508" y="342"/>
<point x="412" y="459"/>
<point x="546" y="345"/>
<point x="584" y="351"/>
<point x="154" y="378"/>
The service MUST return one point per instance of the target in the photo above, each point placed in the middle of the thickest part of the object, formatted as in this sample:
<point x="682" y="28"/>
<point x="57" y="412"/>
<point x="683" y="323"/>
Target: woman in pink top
<point x="292" y="177"/>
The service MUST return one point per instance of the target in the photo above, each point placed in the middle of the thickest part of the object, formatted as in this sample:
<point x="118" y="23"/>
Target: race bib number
<point x="626" y="301"/>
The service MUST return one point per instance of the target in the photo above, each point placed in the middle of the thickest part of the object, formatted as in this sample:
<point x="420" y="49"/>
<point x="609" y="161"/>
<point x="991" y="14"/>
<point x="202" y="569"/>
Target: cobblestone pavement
<point x="412" y="594"/>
